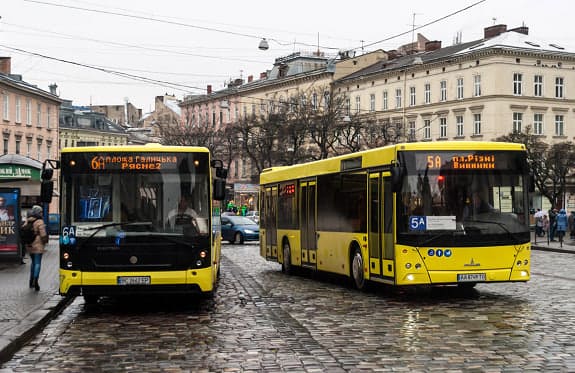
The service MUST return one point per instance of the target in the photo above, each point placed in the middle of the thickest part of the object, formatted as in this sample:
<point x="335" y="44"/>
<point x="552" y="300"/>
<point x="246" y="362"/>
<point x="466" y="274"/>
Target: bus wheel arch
<point x="356" y="264"/>
<point x="286" y="252"/>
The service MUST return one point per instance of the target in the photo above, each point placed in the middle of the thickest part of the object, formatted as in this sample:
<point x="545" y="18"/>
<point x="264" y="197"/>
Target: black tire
<point x="238" y="238"/>
<point x="466" y="285"/>
<point x="286" y="263"/>
<point x="356" y="270"/>
<point x="90" y="300"/>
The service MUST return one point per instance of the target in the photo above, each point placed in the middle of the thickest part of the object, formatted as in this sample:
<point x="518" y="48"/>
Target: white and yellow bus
<point x="117" y="235"/>
<point x="403" y="214"/>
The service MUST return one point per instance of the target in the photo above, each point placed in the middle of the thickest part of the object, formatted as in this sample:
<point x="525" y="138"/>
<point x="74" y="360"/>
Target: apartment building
<point x="29" y="128"/>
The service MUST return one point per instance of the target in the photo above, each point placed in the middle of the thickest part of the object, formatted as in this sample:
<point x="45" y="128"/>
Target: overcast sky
<point x="180" y="48"/>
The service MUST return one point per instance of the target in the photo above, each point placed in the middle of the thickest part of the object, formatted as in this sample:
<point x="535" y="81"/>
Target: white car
<point x="254" y="215"/>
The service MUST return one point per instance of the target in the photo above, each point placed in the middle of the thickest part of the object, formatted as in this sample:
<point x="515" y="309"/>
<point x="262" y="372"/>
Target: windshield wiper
<point x="499" y="224"/>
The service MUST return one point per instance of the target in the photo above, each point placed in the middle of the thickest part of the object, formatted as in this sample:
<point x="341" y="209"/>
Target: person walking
<point x="552" y="224"/>
<point x="562" y="222"/>
<point x="38" y="246"/>
<point x="571" y="223"/>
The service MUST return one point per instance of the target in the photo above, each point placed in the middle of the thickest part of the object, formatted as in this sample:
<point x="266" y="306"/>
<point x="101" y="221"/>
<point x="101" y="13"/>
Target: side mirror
<point x="396" y="178"/>
<point x="46" y="191"/>
<point x="219" y="192"/>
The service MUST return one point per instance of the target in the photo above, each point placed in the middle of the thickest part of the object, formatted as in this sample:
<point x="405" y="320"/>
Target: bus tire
<point x="356" y="269"/>
<point x="90" y="300"/>
<point x="286" y="263"/>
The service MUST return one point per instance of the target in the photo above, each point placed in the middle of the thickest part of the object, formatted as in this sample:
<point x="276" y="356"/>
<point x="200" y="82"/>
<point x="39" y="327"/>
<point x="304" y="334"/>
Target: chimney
<point x="263" y="75"/>
<point x="521" y="29"/>
<point x="209" y="89"/>
<point x="432" y="45"/>
<point x="491" y="31"/>
<point x="250" y="78"/>
<point x="53" y="88"/>
<point x="5" y="67"/>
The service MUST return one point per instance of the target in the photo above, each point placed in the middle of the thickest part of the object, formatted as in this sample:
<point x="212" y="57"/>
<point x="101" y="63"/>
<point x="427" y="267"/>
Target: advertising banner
<point x="9" y="221"/>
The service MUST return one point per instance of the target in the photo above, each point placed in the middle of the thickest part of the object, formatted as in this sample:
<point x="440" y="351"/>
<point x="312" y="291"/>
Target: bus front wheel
<point x="357" y="270"/>
<point x="286" y="264"/>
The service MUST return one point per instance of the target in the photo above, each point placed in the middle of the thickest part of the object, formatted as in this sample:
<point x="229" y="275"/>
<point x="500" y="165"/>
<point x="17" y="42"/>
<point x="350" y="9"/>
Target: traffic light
<point x="440" y="181"/>
<point x="47" y="186"/>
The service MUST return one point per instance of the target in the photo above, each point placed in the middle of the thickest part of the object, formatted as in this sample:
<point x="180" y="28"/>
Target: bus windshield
<point x="166" y="200"/>
<point x="464" y="194"/>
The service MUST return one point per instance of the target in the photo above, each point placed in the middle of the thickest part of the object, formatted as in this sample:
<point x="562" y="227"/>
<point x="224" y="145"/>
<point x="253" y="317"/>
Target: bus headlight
<point x="69" y="264"/>
<point x="66" y="256"/>
<point x="408" y="265"/>
<point x="203" y="254"/>
<point x="199" y="263"/>
<point x="519" y="263"/>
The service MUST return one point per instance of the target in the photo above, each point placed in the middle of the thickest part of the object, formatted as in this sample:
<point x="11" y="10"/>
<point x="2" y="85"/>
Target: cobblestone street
<point x="262" y="320"/>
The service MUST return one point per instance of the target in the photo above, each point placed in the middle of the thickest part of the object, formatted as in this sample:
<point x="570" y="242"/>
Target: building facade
<point x="30" y="134"/>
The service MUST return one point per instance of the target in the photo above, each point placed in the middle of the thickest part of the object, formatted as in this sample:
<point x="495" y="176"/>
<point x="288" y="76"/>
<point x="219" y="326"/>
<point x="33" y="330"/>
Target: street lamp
<point x="264" y="45"/>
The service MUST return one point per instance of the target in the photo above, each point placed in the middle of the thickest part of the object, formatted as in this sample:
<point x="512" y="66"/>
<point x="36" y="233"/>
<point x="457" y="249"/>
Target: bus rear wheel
<point x="286" y="264"/>
<point x="357" y="270"/>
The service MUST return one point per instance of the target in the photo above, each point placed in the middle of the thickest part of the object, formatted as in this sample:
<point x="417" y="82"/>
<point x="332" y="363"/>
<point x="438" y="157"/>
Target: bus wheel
<point x="357" y="270"/>
<point x="238" y="238"/>
<point x="466" y="285"/>
<point x="286" y="264"/>
<point x="90" y="300"/>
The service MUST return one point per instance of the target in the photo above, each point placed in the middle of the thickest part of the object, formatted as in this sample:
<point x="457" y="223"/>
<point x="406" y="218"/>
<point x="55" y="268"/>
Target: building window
<point x="6" y="142"/>
<point x="559" y="87"/>
<point x="28" y="112"/>
<point x="443" y="127"/>
<point x="517" y="84"/>
<point x="18" y="110"/>
<point x="398" y="98"/>
<point x="357" y="104"/>
<point x="6" y="111"/>
<point x="29" y="148"/>
<point x="314" y="101"/>
<point x="39" y="149"/>
<point x="348" y="106"/>
<point x="443" y="90"/>
<point x="372" y="102"/>
<point x="559" y="125"/>
<point x="477" y="124"/>
<point x="48" y="117"/>
<point x="517" y="121"/>
<point x="18" y="141"/>
<point x="538" y="85"/>
<point x="412" y="130"/>
<point x="427" y="93"/>
<point x="427" y="129"/>
<point x="385" y="100"/>
<point x="538" y="124"/>
<point x="411" y="96"/>
<point x="477" y="85"/>
<point x="459" y="88"/>
<point x="39" y="115"/>
<point x="459" y="123"/>
<point x="48" y="150"/>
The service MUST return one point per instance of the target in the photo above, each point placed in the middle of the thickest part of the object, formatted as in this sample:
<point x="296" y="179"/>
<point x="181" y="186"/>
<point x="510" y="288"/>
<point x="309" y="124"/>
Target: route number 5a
<point x="417" y="223"/>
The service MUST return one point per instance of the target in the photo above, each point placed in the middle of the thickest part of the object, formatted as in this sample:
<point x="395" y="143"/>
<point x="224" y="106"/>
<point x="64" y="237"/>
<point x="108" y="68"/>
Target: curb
<point x="553" y="249"/>
<point x="15" y="338"/>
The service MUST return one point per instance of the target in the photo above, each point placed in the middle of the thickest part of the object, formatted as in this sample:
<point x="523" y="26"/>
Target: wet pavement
<point x="261" y="320"/>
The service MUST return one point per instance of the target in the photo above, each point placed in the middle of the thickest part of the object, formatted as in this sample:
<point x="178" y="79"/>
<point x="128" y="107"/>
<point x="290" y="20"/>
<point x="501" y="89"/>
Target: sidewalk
<point x="541" y="243"/>
<point x="24" y="311"/>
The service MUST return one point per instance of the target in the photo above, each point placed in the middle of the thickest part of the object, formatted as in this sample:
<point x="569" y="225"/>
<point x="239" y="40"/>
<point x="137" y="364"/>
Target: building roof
<point x="510" y="40"/>
<point x="17" y="82"/>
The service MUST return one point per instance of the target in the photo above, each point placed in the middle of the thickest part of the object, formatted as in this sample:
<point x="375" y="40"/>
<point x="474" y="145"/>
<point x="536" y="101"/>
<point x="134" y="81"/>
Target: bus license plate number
<point x="470" y="277"/>
<point x="133" y="280"/>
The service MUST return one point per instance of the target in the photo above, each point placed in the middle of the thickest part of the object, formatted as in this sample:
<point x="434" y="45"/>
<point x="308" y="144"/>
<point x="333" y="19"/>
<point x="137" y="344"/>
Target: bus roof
<point x="377" y="157"/>
<point x="150" y="147"/>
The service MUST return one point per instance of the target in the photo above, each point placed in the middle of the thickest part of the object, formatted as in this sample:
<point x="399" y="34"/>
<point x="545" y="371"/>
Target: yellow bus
<point x="139" y="219"/>
<point x="428" y="213"/>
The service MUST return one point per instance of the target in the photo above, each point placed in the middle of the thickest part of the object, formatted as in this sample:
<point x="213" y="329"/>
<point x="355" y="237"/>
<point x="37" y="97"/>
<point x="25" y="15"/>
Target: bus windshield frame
<point x="118" y="194"/>
<point x="462" y="198"/>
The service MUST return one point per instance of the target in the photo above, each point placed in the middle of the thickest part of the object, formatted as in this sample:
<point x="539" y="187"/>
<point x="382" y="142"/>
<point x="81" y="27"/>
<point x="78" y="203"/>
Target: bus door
<point x="270" y="222"/>
<point x="380" y="227"/>
<point x="307" y="191"/>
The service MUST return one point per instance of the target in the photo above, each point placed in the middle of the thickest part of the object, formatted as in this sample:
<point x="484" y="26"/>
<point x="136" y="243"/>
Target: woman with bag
<point x="38" y="245"/>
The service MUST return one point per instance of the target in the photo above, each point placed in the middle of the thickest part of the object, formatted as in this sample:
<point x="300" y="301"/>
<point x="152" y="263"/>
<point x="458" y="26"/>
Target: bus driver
<point x="184" y="215"/>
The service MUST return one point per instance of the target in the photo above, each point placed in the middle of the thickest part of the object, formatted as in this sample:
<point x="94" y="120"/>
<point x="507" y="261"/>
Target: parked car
<point x="254" y="215"/>
<point x="238" y="229"/>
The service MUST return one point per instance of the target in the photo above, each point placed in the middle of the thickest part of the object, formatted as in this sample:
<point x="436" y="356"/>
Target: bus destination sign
<point x="453" y="161"/>
<point x="133" y="162"/>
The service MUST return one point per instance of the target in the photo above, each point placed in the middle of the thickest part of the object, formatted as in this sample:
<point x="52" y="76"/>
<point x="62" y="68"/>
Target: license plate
<point x="133" y="280"/>
<point x="470" y="277"/>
